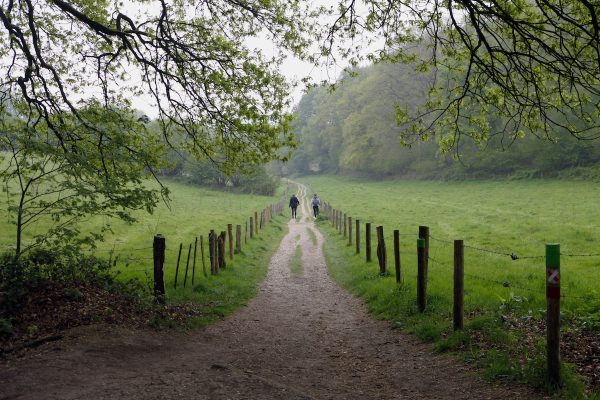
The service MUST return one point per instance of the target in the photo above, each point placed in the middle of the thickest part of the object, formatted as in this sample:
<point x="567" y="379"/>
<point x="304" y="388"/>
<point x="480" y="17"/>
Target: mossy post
<point x="222" y="239"/>
<point x="230" y="236"/>
<point x="194" y="264"/>
<point x="177" y="268"/>
<point x="424" y="234"/>
<point x="421" y="275"/>
<point x="251" y="228"/>
<point x="212" y="251"/>
<point x="238" y="238"/>
<point x="256" y="222"/>
<point x="202" y="255"/>
<point x="368" y="241"/>
<point x="349" y="231"/>
<point x="345" y="228"/>
<point x="553" y="311"/>
<point x="381" y="251"/>
<point x="459" y="284"/>
<point x="397" y="255"/>
<point x="158" y="247"/>
<point x="187" y="266"/>
<point x="357" y="236"/>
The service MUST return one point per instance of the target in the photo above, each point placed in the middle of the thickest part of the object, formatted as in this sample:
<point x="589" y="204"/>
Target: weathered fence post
<point x="368" y="241"/>
<point x="194" y="264"/>
<point x="256" y="222"/>
<point x="159" y="246"/>
<point x="553" y="311"/>
<point x="345" y="220"/>
<point x="230" y="234"/>
<point x="202" y="255"/>
<point x="238" y="238"/>
<point x="357" y="236"/>
<point x="251" y="228"/>
<point x="424" y="234"/>
<point x="397" y="255"/>
<point x="177" y="268"/>
<point x="459" y="284"/>
<point x="421" y="275"/>
<point x="381" y="251"/>
<point x="212" y="251"/>
<point x="222" y="239"/>
<point x="349" y="231"/>
<point x="246" y="234"/>
<point x="187" y="266"/>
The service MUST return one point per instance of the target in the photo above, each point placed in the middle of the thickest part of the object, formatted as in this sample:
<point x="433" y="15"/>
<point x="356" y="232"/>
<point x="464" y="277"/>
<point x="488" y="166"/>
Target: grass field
<point x="495" y="219"/>
<point x="192" y="212"/>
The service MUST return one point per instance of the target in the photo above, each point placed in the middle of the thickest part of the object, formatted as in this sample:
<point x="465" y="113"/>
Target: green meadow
<point x="495" y="219"/>
<point x="192" y="212"/>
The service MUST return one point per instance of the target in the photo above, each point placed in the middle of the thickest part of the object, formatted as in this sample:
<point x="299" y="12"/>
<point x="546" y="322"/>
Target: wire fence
<point x="513" y="255"/>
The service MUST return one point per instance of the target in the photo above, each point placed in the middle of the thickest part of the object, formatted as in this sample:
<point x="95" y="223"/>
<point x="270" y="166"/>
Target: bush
<point x="20" y="277"/>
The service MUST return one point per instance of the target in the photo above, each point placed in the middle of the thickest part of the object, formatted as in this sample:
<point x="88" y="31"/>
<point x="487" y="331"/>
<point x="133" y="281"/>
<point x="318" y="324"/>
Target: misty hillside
<point x="353" y="130"/>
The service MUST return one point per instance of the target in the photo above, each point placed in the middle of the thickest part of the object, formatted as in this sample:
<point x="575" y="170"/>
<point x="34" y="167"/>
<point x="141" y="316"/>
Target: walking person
<point x="316" y="202"/>
<point x="294" y="205"/>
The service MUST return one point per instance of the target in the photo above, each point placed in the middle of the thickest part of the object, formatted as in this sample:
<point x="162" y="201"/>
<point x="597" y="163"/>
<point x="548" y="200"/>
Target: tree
<point x="534" y="66"/>
<point x="45" y="184"/>
<point x="192" y="59"/>
<point x="69" y="71"/>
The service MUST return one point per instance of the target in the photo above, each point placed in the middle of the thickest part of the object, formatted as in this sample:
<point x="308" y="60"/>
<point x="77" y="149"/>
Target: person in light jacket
<point x="316" y="202"/>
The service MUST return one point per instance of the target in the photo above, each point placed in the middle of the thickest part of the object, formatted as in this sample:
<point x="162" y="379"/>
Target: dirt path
<point x="302" y="337"/>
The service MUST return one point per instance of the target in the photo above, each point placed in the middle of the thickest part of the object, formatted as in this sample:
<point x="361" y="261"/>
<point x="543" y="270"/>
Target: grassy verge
<point x="192" y="212"/>
<point x="504" y="298"/>
<point x="220" y="295"/>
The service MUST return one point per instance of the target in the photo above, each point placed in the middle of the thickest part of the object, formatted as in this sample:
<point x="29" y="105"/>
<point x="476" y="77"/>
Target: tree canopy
<point x="353" y="131"/>
<point x="191" y="59"/>
<point x="531" y="66"/>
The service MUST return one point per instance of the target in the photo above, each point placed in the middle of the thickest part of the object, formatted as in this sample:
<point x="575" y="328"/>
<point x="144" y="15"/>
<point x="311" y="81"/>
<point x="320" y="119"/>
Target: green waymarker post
<point x="421" y="275"/>
<point x="553" y="311"/>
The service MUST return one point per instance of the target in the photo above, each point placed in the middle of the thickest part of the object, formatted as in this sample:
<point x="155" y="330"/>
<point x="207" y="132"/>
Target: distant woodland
<point x="353" y="130"/>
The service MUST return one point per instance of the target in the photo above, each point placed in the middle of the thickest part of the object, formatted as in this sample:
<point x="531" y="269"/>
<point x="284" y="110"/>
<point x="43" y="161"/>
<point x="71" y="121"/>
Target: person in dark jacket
<point x="294" y="205"/>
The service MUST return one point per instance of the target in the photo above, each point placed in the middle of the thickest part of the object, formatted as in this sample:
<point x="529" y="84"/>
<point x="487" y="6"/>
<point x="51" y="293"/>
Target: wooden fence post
<point x="381" y="251"/>
<point x="238" y="238"/>
<point x="212" y="251"/>
<point x="424" y="234"/>
<point x="177" y="268"/>
<point x="357" y="236"/>
<point x="397" y="255"/>
<point x="349" y="231"/>
<point x="222" y="239"/>
<point x="553" y="311"/>
<point x="159" y="246"/>
<point x="345" y="220"/>
<point x="246" y="234"/>
<point x="421" y="275"/>
<point x="368" y="241"/>
<point x="194" y="264"/>
<point x="230" y="234"/>
<point x="256" y="222"/>
<point x="202" y="255"/>
<point x="187" y="266"/>
<point x="251" y="228"/>
<point x="459" y="284"/>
